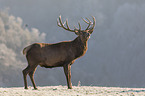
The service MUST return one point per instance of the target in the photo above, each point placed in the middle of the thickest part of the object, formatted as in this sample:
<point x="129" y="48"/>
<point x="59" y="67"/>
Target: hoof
<point x="26" y="88"/>
<point x="35" y="88"/>
<point x="69" y="87"/>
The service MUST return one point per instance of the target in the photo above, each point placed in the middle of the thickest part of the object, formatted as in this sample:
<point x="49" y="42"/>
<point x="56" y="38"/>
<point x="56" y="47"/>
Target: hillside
<point x="76" y="91"/>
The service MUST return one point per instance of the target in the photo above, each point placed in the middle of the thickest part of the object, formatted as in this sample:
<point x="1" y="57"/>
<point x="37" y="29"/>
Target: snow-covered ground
<point x="76" y="91"/>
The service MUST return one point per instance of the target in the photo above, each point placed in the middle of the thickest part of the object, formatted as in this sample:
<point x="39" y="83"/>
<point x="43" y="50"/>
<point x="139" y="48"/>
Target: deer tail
<point x="26" y="49"/>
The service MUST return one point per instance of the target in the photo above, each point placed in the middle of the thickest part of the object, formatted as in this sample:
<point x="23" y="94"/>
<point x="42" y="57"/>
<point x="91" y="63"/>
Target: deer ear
<point x="76" y="32"/>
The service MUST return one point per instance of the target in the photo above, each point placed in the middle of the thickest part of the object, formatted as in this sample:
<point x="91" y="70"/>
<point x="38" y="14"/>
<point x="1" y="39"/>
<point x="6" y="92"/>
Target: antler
<point x="89" y="22"/>
<point x="60" y="24"/>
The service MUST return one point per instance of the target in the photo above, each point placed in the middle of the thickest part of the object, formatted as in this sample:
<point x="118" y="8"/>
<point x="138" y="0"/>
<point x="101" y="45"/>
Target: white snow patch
<point x="76" y="91"/>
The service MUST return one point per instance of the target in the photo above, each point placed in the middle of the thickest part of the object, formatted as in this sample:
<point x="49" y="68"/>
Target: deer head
<point x="83" y="34"/>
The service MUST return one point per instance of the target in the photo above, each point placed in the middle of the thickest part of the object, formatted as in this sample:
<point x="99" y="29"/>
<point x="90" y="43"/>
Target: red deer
<point x="62" y="54"/>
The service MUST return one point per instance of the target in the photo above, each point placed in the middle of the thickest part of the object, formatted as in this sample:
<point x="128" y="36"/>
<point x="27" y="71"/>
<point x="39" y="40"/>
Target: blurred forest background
<point x="116" y="53"/>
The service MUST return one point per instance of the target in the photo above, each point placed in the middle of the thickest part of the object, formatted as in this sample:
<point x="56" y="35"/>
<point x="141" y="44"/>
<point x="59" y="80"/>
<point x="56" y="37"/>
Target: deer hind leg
<point x="27" y="70"/>
<point x="31" y="74"/>
<point x="67" y="71"/>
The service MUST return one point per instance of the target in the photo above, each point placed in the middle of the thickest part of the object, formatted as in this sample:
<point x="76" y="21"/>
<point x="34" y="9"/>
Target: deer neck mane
<point x="80" y="42"/>
<point x="80" y="47"/>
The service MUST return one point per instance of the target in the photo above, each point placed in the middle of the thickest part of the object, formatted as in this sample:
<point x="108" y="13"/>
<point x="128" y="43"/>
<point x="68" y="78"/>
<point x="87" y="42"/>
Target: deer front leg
<point x="67" y="71"/>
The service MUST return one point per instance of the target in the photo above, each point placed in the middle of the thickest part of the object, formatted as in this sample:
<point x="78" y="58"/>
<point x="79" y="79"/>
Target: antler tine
<point x="93" y="21"/>
<point x="58" y="23"/>
<point x="92" y="28"/>
<point x="85" y="21"/>
<point x="67" y="24"/>
<point x="79" y="25"/>
<point x="76" y="28"/>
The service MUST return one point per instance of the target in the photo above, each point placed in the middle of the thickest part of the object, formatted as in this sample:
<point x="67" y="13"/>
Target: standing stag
<point x="62" y="54"/>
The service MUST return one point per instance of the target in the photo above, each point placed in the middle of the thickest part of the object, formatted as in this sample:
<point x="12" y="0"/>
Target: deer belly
<point x="50" y="64"/>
